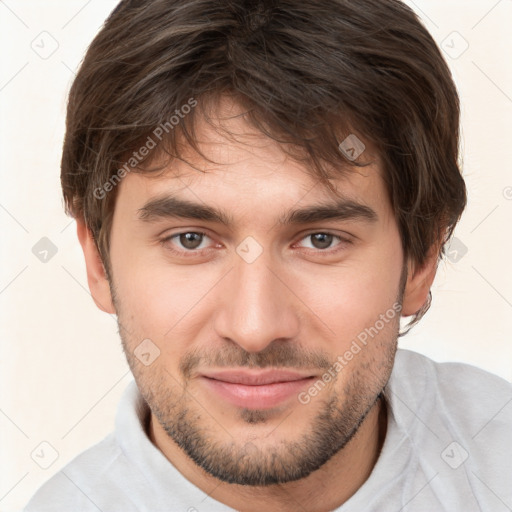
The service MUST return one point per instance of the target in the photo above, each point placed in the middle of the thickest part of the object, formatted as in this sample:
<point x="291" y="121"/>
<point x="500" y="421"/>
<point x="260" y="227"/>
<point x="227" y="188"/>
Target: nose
<point x="256" y="305"/>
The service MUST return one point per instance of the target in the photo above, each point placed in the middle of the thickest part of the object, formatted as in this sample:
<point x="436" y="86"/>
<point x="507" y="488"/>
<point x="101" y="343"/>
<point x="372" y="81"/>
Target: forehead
<point x="249" y="169"/>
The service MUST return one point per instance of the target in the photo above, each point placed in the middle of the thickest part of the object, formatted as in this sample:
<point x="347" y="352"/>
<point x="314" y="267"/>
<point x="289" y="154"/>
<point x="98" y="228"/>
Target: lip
<point x="256" y="389"/>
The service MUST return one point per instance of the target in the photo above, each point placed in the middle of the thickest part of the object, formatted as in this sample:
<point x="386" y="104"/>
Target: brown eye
<point x="321" y="240"/>
<point x="185" y="242"/>
<point x="325" y="242"/>
<point x="191" y="240"/>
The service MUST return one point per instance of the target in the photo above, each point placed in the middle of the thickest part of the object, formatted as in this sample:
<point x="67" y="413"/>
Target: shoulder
<point x="452" y="382"/>
<point x="453" y="402"/>
<point x="458" y="419"/>
<point x="75" y="486"/>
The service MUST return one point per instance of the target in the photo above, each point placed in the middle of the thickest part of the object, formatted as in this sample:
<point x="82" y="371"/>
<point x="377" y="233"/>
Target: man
<point x="262" y="190"/>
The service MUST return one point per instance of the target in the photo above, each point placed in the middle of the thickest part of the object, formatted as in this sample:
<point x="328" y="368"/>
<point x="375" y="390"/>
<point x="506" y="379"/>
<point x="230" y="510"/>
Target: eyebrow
<point x="165" y="207"/>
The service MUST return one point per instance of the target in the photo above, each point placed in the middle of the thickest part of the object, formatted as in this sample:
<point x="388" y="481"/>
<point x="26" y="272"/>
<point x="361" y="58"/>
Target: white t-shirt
<point x="448" y="448"/>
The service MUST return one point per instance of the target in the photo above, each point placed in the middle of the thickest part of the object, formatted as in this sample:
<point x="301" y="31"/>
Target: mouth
<point x="256" y="389"/>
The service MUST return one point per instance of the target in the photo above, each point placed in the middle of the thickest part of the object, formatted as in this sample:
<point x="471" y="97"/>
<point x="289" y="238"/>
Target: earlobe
<point x="419" y="282"/>
<point x="96" y="275"/>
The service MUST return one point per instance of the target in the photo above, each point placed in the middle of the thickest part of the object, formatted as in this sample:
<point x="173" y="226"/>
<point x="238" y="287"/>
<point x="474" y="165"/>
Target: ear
<point x="96" y="275"/>
<point x="419" y="282"/>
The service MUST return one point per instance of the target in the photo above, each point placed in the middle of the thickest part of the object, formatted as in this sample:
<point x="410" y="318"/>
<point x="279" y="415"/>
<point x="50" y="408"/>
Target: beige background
<point x="62" y="370"/>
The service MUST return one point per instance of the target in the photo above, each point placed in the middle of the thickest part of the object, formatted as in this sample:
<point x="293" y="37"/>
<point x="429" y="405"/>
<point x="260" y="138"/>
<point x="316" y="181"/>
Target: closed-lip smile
<point x="255" y="389"/>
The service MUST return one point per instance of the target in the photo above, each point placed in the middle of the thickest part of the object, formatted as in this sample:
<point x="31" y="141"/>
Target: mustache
<point x="279" y="354"/>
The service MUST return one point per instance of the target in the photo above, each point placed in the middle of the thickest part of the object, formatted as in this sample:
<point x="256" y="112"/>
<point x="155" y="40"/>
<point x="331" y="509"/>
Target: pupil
<point x="191" y="240"/>
<point x="323" y="239"/>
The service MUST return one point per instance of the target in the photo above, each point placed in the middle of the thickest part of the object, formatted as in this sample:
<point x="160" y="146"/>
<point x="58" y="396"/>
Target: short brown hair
<point x="309" y="72"/>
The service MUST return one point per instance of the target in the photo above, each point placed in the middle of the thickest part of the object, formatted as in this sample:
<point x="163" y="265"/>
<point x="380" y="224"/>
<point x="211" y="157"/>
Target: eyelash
<point x="199" y="252"/>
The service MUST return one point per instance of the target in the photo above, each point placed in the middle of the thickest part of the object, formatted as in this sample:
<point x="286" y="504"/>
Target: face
<point x="258" y="310"/>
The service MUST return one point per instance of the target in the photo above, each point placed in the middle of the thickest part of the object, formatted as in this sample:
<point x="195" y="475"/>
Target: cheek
<point x="352" y="305"/>
<point x="160" y="302"/>
<point x="351" y="298"/>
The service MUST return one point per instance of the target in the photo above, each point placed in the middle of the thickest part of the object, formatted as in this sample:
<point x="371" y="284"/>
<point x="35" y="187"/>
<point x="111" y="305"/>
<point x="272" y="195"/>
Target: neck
<point x="323" y="490"/>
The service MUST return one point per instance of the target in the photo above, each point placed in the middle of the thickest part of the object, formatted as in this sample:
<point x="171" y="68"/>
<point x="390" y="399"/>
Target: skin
<point x="299" y="305"/>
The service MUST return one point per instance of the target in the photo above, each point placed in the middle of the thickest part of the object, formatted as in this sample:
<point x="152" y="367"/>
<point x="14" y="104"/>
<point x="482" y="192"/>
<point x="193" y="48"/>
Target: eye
<point x="187" y="241"/>
<point x="323" y="240"/>
<point x="194" y="242"/>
